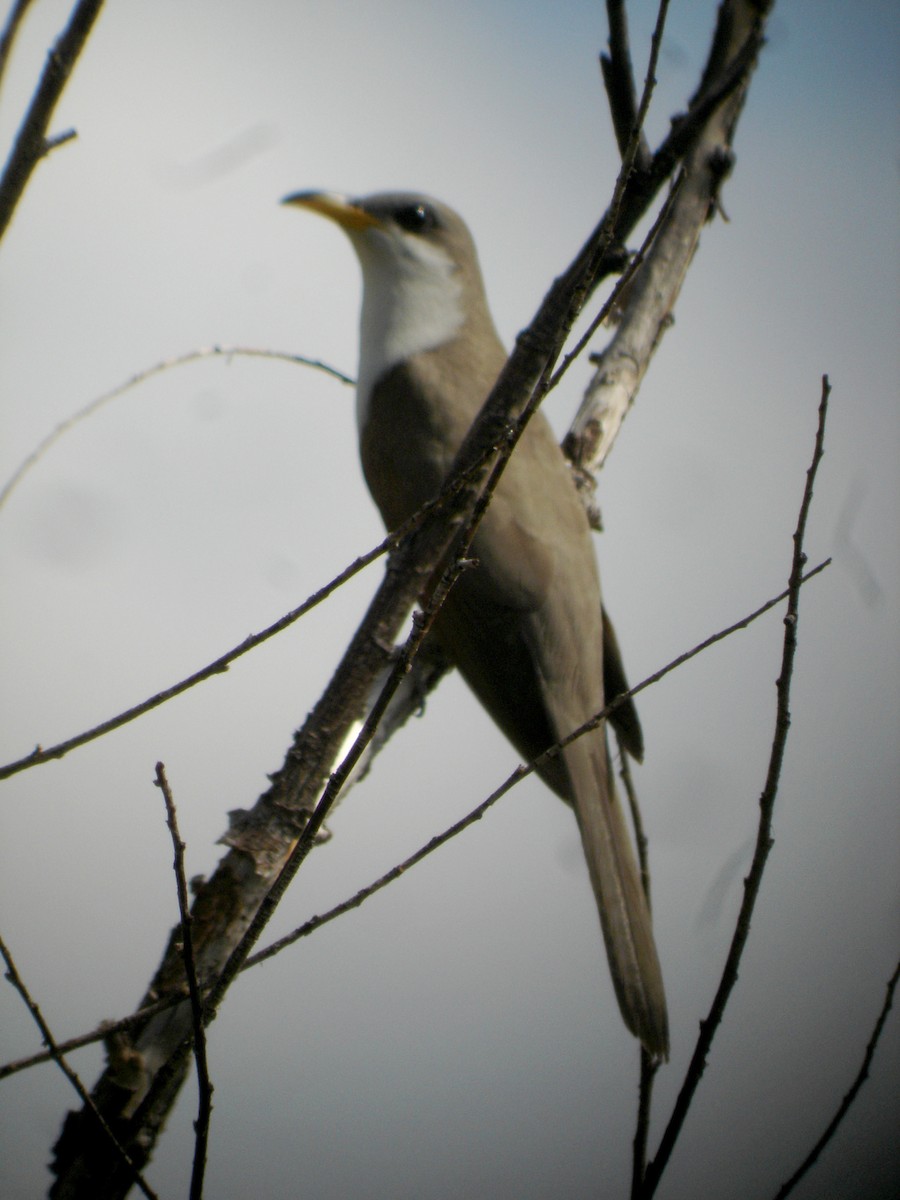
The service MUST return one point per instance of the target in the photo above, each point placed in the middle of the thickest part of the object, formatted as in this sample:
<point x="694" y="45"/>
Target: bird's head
<point x="421" y="279"/>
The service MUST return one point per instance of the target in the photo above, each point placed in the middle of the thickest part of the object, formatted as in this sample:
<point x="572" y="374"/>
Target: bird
<point x="525" y="625"/>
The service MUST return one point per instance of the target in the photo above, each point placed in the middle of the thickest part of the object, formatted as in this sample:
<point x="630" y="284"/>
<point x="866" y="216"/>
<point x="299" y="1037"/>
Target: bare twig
<point x="31" y="142"/>
<point x="764" y="839"/>
<point x="204" y="1084"/>
<point x="167" y="364"/>
<point x="618" y="78"/>
<point x="221" y="664"/>
<point x="844" y="1106"/>
<point x="421" y="625"/>
<point x="55" y="1054"/>
<point x="612" y="302"/>
<point x="649" y="1067"/>
<point x="216" y="667"/>
<point x="125" y="1024"/>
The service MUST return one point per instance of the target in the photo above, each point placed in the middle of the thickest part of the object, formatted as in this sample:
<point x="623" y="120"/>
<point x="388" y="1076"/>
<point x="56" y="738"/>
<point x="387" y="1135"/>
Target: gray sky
<point x="457" y="1036"/>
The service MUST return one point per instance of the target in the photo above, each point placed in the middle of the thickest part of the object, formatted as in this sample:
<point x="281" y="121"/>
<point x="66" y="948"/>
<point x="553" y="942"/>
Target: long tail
<point x="624" y="913"/>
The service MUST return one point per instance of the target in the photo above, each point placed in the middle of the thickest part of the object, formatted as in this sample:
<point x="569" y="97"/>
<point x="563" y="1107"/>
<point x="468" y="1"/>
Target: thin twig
<point x="422" y="622"/>
<point x="55" y="1054"/>
<point x="649" y="1067"/>
<point x="622" y="283"/>
<point x="10" y="29"/>
<point x="304" y="843"/>
<point x="31" y="142"/>
<point x="764" y="839"/>
<point x="844" y="1106"/>
<point x="126" y="1023"/>
<point x="618" y="78"/>
<point x="204" y="1084"/>
<point x="221" y="664"/>
<point x="167" y="364"/>
<point x="40" y="755"/>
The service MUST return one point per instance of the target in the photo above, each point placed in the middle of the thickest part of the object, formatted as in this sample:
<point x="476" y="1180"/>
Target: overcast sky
<point x="458" y="1035"/>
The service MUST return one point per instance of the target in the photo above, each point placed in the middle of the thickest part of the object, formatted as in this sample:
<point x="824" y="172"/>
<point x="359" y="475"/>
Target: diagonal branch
<point x="12" y="974"/>
<point x="226" y="906"/>
<point x="705" y="134"/>
<point x="31" y="142"/>
<point x="844" y="1107"/>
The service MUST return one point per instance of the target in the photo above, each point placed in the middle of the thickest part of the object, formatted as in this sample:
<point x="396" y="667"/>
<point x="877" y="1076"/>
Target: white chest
<point x="412" y="302"/>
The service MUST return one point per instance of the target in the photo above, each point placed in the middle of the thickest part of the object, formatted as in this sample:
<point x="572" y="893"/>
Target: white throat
<point x="412" y="302"/>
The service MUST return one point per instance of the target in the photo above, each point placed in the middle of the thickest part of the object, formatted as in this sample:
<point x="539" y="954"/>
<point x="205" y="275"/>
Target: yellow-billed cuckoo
<point x="525" y="626"/>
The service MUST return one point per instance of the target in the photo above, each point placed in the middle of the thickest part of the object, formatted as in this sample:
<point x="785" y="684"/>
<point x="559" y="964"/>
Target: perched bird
<point x="525" y="625"/>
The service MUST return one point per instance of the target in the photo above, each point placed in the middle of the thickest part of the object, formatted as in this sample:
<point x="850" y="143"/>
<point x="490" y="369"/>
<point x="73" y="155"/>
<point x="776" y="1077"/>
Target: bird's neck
<point x="407" y="309"/>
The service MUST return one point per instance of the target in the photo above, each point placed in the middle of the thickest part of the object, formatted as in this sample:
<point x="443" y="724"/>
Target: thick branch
<point x="651" y="295"/>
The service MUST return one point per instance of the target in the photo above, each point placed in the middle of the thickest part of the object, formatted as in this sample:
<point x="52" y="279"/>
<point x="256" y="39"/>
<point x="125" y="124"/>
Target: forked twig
<point x="764" y="841"/>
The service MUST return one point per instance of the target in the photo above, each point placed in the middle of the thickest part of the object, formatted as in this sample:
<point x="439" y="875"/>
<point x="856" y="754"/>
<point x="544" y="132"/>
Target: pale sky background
<point x="457" y="1037"/>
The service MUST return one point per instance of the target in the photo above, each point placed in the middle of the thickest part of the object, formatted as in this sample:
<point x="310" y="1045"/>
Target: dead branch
<point x="54" y="1052"/>
<point x="652" y="293"/>
<point x="32" y="143"/>
<point x="844" y="1107"/>
<point x="204" y="1084"/>
<point x="764" y="840"/>
<point x="167" y="364"/>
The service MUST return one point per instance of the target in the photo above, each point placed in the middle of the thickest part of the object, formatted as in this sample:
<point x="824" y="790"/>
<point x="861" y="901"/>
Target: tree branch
<point x="31" y="142"/>
<point x="181" y="360"/>
<point x="618" y="79"/>
<point x="121" y="1154"/>
<point x="127" y="1024"/>
<point x="844" y="1107"/>
<point x="705" y="132"/>
<point x="764" y="841"/>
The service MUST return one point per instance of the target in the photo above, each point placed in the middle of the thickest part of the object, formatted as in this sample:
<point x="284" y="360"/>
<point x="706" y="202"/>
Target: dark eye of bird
<point x="416" y="218"/>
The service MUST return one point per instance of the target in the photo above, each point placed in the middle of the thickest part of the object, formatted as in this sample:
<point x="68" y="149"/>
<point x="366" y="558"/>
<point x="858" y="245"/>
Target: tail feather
<point x="624" y="912"/>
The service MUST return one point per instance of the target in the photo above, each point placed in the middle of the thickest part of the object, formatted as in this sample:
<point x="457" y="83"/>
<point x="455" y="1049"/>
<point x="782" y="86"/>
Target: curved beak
<point x="341" y="209"/>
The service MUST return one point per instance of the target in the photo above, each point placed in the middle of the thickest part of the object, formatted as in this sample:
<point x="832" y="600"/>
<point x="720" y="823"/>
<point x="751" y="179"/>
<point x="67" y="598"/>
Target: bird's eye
<point x="416" y="218"/>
